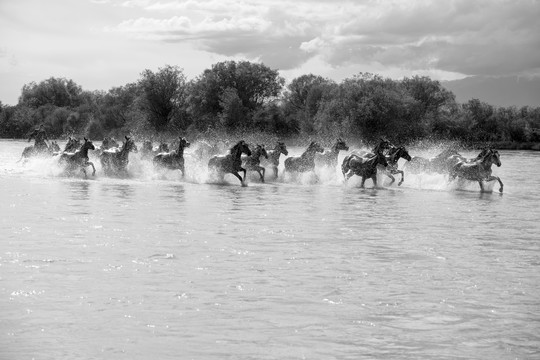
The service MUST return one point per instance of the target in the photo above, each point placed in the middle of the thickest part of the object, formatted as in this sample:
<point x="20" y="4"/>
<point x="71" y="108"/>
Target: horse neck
<point x="257" y="153"/>
<point x="487" y="162"/>
<point x="180" y="151"/>
<point x="236" y="153"/>
<point x="125" y="150"/>
<point x="84" y="151"/>
<point x="374" y="161"/>
<point x="309" y="154"/>
<point x="394" y="155"/>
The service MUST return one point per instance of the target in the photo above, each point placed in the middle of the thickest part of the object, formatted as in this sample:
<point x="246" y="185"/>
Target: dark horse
<point x="173" y="160"/>
<point x="304" y="162"/>
<point x="394" y="154"/>
<point x="478" y="170"/>
<point x="365" y="166"/>
<point x="231" y="163"/>
<point x="330" y="158"/>
<point x="114" y="160"/>
<point x="273" y="156"/>
<point x="253" y="161"/>
<point x="79" y="159"/>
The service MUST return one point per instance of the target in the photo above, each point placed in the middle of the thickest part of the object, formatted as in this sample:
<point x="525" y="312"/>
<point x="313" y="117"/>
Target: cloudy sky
<point x="104" y="43"/>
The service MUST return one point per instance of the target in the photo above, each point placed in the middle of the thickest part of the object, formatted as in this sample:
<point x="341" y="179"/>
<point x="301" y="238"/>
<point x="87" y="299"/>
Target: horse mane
<point x="379" y="148"/>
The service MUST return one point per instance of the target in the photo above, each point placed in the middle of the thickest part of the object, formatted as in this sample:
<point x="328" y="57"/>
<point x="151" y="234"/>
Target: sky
<point x="101" y="44"/>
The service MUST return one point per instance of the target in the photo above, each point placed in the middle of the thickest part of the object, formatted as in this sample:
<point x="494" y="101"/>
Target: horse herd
<point x="241" y="158"/>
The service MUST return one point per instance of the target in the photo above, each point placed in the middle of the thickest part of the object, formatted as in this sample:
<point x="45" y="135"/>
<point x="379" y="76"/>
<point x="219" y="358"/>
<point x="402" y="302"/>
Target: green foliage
<point x="163" y="94"/>
<point x="234" y="98"/>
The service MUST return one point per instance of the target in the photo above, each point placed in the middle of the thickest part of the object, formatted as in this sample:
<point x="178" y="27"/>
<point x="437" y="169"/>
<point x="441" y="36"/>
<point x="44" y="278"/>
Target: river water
<point x="154" y="266"/>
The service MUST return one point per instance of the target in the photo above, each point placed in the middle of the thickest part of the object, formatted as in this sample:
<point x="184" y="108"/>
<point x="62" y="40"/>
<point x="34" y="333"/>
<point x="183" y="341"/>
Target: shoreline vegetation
<point x="249" y="100"/>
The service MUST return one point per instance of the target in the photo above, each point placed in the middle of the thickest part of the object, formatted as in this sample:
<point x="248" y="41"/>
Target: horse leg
<point x="402" y="176"/>
<point x="245" y="172"/>
<point x="393" y="179"/>
<point x="261" y="172"/>
<point x="275" y="172"/>
<point x="89" y="163"/>
<point x="481" y="185"/>
<point x="492" y="178"/>
<point x="240" y="178"/>
<point x="374" y="178"/>
<point x="363" y="181"/>
<point x="182" y="169"/>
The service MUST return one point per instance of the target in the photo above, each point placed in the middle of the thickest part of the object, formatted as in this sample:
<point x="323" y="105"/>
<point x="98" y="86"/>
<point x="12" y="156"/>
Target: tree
<point x="163" y="94"/>
<point x="59" y="92"/>
<point x="253" y="84"/>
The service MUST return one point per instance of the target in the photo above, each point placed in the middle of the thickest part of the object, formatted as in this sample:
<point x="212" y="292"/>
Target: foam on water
<point x="197" y="172"/>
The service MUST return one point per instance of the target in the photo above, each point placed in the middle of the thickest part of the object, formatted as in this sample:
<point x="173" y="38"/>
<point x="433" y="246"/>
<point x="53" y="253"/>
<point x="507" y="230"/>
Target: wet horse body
<point x="365" y="166"/>
<point x="114" y="160"/>
<point x="273" y="157"/>
<point x="330" y="158"/>
<point x="392" y="158"/>
<point x="304" y="162"/>
<point x="79" y="159"/>
<point x="478" y="169"/>
<point x="253" y="162"/>
<point x="173" y="160"/>
<point x="230" y="163"/>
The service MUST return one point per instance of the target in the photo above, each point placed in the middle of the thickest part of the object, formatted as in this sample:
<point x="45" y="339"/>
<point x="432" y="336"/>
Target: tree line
<point x="242" y="96"/>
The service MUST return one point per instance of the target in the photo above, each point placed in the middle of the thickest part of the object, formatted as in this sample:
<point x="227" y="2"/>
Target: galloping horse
<point x="365" y="166"/>
<point x="32" y="150"/>
<point x="79" y="159"/>
<point x="441" y="163"/>
<point x="478" y="170"/>
<point x="173" y="160"/>
<point x="394" y="154"/>
<point x="304" y="162"/>
<point x="273" y="156"/>
<point x="232" y="162"/>
<point x="252" y="162"/>
<point x="329" y="158"/>
<point x="116" y="160"/>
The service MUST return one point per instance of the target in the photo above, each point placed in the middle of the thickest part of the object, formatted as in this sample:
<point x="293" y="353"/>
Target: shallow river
<point x="156" y="267"/>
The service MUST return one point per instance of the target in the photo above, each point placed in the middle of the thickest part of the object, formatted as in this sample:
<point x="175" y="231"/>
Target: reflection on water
<point x="293" y="270"/>
<point x="122" y="191"/>
<point x="78" y="190"/>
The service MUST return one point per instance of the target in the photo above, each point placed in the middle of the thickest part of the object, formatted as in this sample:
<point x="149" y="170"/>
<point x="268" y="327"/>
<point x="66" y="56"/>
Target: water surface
<point x="155" y="266"/>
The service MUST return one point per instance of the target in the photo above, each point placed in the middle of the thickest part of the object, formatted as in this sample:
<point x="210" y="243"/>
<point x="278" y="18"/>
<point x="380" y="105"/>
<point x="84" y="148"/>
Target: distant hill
<point x="501" y="91"/>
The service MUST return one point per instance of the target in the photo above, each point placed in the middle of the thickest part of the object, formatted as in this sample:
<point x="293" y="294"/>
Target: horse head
<point x="315" y="147"/>
<point x="382" y="145"/>
<point x="402" y="152"/>
<point x="260" y="151"/>
<point x="341" y="145"/>
<point x="240" y="148"/>
<point x="183" y="143"/>
<point x="88" y="145"/>
<point x="282" y="148"/>
<point x="130" y="145"/>
<point x="493" y="156"/>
